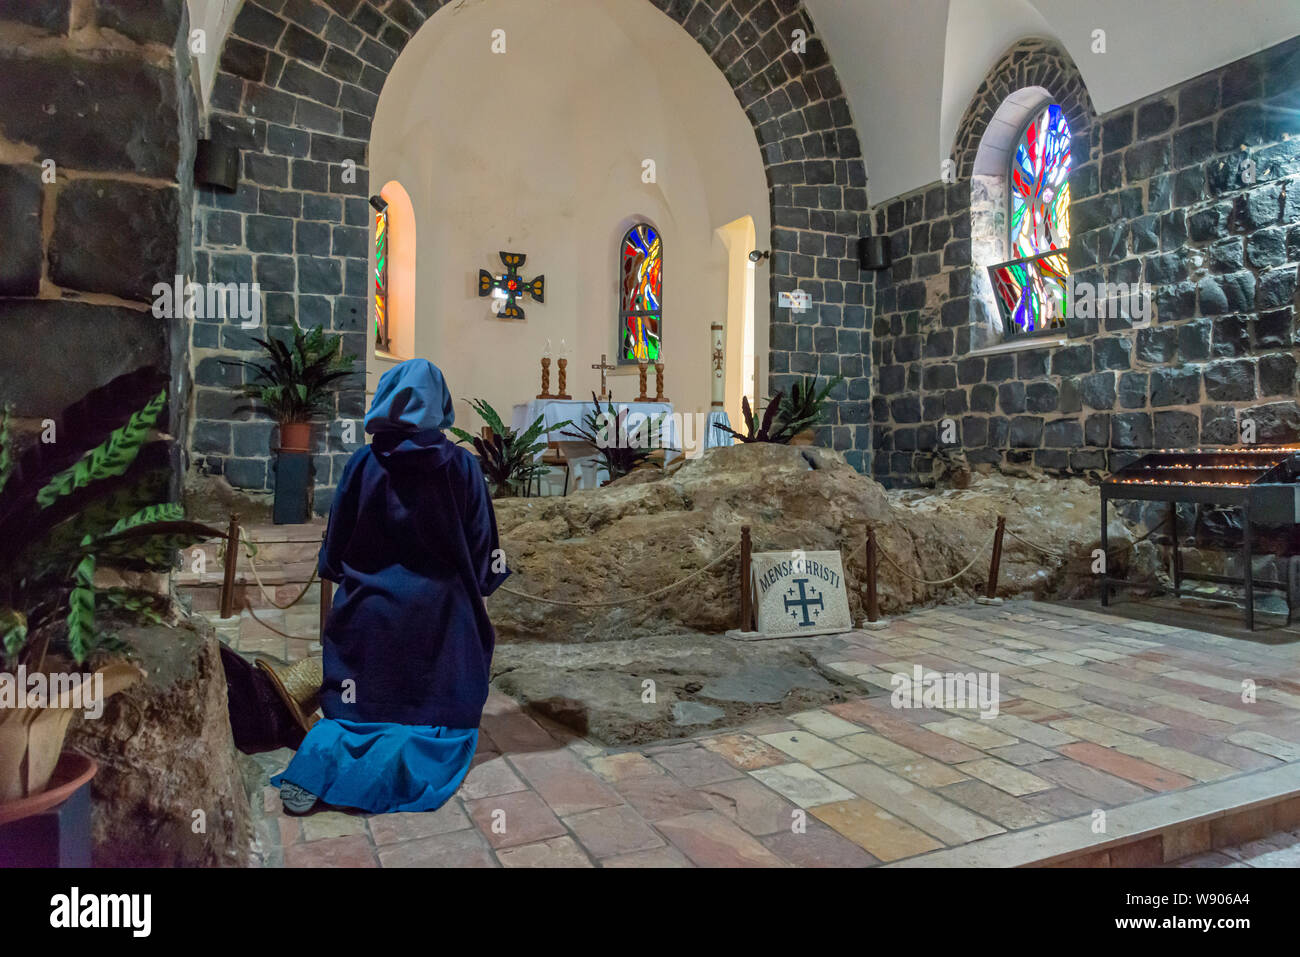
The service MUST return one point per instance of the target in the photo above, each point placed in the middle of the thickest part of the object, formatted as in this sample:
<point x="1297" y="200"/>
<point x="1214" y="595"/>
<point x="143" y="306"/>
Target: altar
<point x="583" y="457"/>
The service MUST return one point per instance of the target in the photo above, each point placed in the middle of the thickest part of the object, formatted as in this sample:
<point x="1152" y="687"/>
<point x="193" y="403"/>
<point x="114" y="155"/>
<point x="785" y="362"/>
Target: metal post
<point x="991" y="591"/>
<point x="1105" y="556"/>
<point x="232" y="561"/>
<point x="326" y="602"/>
<point x="1178" y="558"/>
<point x="873" y="600"/>
<point x="1248" y="571"/>
<point x="746" y="598"/>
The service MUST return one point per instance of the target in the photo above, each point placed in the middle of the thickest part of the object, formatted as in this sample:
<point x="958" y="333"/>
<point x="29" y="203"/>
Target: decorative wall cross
<point x="512" y="284"/>
<point x="604" y="367"/>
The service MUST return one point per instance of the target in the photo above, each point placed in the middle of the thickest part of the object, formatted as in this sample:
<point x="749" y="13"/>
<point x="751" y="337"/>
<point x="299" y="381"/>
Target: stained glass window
<point x="641" y="295"/>
<point x="1031" y="286"/>
<point x="381" y="278"/>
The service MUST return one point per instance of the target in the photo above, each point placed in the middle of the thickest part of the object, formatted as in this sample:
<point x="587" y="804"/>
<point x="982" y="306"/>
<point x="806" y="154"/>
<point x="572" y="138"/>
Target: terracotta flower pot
<point x="295" y="436"/>
<point x="806" y="437"/>
<point x="72" y="771"/>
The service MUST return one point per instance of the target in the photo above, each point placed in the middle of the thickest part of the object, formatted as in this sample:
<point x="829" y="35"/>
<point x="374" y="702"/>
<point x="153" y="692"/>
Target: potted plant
<point x="622" y="450"/>
<point x="88" y="500"/>
<point x="295" y="381"/>
<point x="508" y="458"/>
<point x="805" y="407"/>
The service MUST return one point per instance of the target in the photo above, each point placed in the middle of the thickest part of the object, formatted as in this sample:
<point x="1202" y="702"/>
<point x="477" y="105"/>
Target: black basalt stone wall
<point x="102" y="90"/>
<point x="1158" y="197"/>
<point x="297" y="89"/>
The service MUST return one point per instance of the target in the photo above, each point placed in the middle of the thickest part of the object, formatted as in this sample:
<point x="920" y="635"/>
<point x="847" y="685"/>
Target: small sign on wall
<point x="800" y="593"/>
<point x="796" y="300"/>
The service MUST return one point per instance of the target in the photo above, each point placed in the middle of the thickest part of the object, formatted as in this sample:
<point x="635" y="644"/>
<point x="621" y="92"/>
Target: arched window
<point x="640" y="311"/>
<point x="393" y="280"/>
<point x="1031" y="286"/>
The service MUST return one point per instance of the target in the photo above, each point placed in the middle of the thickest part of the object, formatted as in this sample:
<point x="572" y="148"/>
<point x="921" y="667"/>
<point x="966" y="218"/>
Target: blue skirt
<point x="379" y="767"/>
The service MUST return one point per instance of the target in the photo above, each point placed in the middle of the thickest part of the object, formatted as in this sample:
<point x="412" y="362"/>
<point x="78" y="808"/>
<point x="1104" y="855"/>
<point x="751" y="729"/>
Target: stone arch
<point x="1030" y="74"/>
<point x="297" y="88"/>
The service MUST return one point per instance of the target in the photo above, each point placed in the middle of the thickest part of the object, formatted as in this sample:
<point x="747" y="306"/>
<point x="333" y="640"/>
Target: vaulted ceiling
<point x="910" y="67"/>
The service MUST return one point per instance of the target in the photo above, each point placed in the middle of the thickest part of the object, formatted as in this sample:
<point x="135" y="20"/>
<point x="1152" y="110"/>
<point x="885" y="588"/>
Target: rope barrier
<point x="624" y="601"/>
<point x="250" y="548"/>
<point x="1024" y="541"/>
<point x="926" y="581"/>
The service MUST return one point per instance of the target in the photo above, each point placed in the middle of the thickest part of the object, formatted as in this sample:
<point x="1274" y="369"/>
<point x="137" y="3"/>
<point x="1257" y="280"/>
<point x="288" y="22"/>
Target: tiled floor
<point x="1097" y="712"/>
<point x="1277" y="850"/>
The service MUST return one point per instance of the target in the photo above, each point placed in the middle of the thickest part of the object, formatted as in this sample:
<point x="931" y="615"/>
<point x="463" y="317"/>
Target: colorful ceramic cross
<point x="512" y="284"/>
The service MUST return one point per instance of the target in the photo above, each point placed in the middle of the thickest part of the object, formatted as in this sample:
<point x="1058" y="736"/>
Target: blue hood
<point x="411" y="397"/>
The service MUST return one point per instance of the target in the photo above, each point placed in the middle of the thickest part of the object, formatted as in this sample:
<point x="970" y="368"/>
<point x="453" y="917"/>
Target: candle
<point x="564" y="349"/>
<point x="547" y="353"/>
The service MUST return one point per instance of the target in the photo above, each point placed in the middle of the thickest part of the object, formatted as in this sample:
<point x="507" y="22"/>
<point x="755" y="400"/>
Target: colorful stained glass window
<point x="381" y="279"/>
<point x="1031" y="286"/>
<point x="641" y="295"/>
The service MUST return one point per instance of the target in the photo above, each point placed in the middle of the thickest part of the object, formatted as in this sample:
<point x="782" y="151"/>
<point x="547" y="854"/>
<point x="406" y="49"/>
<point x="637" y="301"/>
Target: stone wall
<point x="296" y="91"/>
<point x="1157" y="197"/>
<point x="97" y="133"/>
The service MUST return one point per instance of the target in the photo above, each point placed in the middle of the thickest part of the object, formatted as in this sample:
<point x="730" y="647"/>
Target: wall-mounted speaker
<point x="216" y="165"/>
<point x="873" y="252"/>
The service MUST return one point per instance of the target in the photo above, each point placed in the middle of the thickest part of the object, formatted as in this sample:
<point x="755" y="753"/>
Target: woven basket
<point x="298" y="686"/>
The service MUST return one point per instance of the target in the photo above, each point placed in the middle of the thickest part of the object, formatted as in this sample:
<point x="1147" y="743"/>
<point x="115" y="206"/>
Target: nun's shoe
<point x="296" y="800"/>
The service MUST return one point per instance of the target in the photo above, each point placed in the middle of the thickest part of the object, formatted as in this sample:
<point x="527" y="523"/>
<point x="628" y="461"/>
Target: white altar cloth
<point x="582" y="456"/>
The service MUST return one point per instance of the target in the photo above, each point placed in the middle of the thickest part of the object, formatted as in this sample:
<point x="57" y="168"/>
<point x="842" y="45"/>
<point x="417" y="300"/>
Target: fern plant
<point x="89" y="497"/>
<point x="805" y="406"/>
<point x="295" y="380"/>
<point x="508" y="458"/>
<point x="768" y="430"/>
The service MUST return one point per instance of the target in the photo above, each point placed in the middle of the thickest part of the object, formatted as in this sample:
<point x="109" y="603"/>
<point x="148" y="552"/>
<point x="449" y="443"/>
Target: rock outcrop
<point x="165" y="752"/>
<point x="651" y="529"/>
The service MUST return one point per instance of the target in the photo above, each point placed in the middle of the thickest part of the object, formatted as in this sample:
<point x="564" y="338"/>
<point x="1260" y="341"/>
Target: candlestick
<point x="564" y="373"/>
<point x="659" y="380"/>
<point x="641" y="368"/>
<point x="546" y="378"/>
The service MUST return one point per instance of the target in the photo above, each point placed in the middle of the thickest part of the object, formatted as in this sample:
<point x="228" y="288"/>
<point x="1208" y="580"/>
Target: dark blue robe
<point x="412" y="543"/>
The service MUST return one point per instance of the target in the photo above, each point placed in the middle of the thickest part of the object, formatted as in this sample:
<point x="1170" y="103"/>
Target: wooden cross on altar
<point x="604" y="367"/>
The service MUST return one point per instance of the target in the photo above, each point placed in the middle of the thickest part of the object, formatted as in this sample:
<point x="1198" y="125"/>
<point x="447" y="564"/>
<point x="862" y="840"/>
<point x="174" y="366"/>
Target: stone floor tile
<point x="563" y="781"/>
<point x="395" y="828"/>
<point x="824" y="724"/>
<point x="1106" y="789"/>
<point x="950" y="823"/>
<point x="744" y="751"/>
<point x="612" y="831"/>
<point x="1267" y="744"/>
<point x="1006" y="777"/>
<point x="877" y="749"/>
<point x="493" y="776"/>
<point x="618" y="767"/>
<point x="978" y="733"/>
<point x="657" y="796"/>
<point x="465" y="848"/>
<point x="1125" y="766"/>
<point x="556" y="852"/>
<point x="801" y="784"/>
<point x="1060" y="803"/>
<point x="351" y="851"/>
<point x="928" y="772"/>
<point x="509" y="820"/>
<point x="710" y="840"/>
<point x="1023" y="754"/>
<point x="515" y="732"/>
<point x="756" y="808"/>
<point x="807" y="748"/>
<point x="818" y="846"/>
<point x="987" y="801"/>
<point x="697" y="766"/>
<point x="325" y="824"/>
<point x="875" y="830"/>
<point x="666" y="856"/>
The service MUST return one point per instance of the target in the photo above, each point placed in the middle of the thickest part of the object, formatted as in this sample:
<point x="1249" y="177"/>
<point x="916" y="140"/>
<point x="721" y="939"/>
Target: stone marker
<point x="800" y="593"/>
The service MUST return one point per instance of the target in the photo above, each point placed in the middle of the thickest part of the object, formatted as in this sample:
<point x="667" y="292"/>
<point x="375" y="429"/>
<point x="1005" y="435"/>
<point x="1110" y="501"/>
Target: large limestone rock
<point x="651" y="529"/>
<point x="165" y="751"/>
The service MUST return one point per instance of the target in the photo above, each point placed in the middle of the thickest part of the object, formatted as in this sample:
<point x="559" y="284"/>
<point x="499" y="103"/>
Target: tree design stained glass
<point x="1031" y="286"/>
<point x="641" y="295"/>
